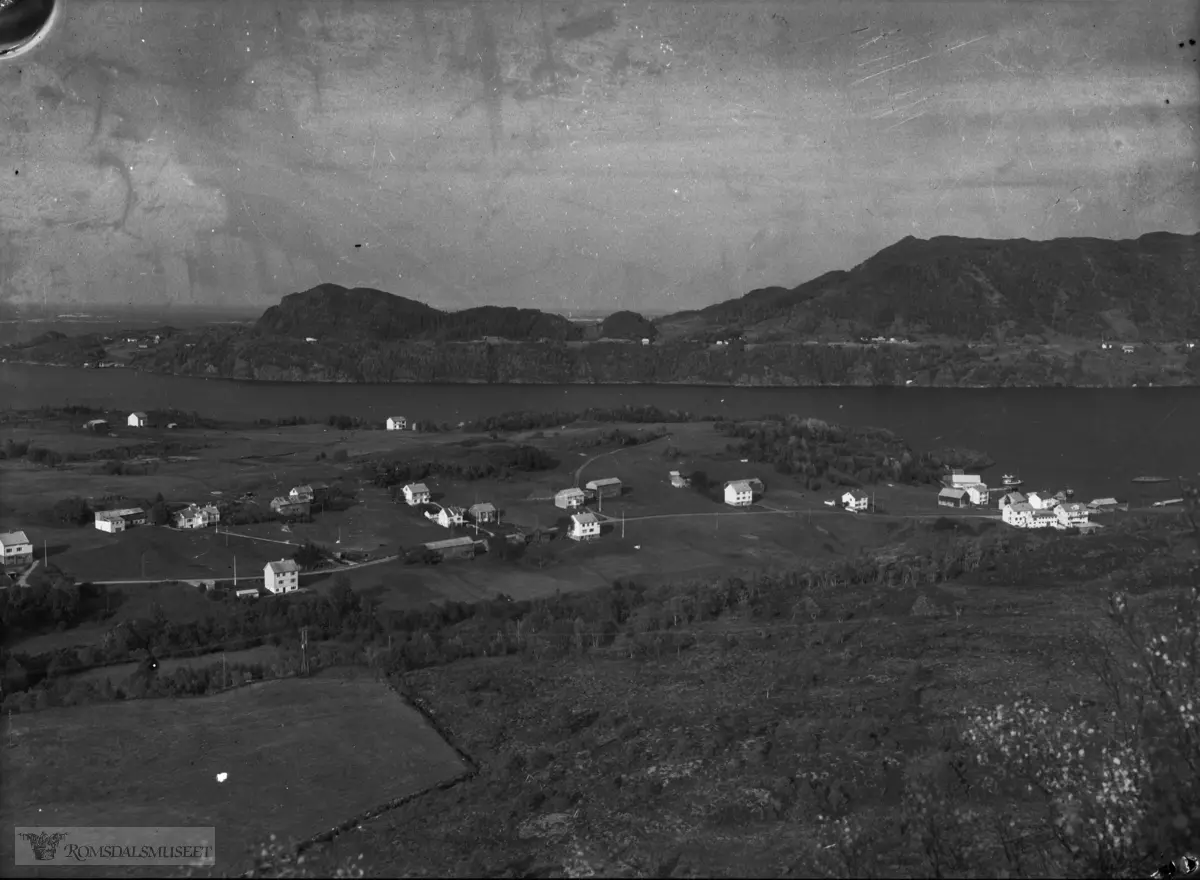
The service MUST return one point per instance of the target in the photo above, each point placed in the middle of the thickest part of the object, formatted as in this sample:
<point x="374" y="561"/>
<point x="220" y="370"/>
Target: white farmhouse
<point x="15" y="549"/>
<point x="738" y="493"/>
<point x="1018" y="514"/>
<point x="450" y="516"/>
<point x="855" y="500"/>
<point x="678" y="480"/>
<point x="416" y="493"/>
<point x="136" y="420"/>
<point x="397" y="423"/>
<point x="1044" y="518"/>
<point x="569" y="499"/>
<point x="282" y="576"/>
<point x="1072" y="514"/>
<point x="120" y="520"/>
<point x="584" y="526"/>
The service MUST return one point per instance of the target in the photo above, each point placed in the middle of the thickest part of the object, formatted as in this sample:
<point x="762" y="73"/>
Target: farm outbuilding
<point x="609" y="487"/>
<point x="454" y="548"/>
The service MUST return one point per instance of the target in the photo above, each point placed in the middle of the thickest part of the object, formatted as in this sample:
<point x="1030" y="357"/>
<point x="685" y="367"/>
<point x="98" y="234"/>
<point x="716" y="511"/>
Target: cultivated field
<point x="302" y="756"/>
<point x="119" y="674"/>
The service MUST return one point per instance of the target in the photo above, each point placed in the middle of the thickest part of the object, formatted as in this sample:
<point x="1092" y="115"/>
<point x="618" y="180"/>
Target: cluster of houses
<point x="1039" y="510"/>
<point x="585" y="525"/>
<point x="448" y="516"/>
<point x="299" y="499"/>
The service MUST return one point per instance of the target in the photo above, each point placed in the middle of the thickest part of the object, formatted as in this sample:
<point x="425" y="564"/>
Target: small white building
<point x="450" y="516"/>
<point x="855" y="500"/>
<point x="483" y="512"/>
<point x="1043" y="500"/>
<point x="416" y="493"/>
<point x="194" y="517"/>
<point x="15" y="549"/>
<point x="584" y="526"/>
<point x="645" y="340"/>
<point x="282" y="576"/>
<point x="119" y="520"/>
<point x="977" y="492"/>
<point x="1072" y="514"/>
<point x="1103" y="504"/>
<point x="609" y="487"/>
<point x="678" y="480"/>
<point x="397" y="423"/>
<point x="569" y="499"/>
<point x="739" y="493"/>
<point x="301" y="494"/>
<point x="136" y="420"/>
<point x="1018" y="514"/>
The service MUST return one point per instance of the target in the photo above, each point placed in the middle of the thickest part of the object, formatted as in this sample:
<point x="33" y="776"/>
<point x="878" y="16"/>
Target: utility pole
<point x="45" y="553"/>
<point x="235" y="571"/>
<point x="304" y="650"/>
<point x="622" y="525"/>
<point x="224" y="676"/>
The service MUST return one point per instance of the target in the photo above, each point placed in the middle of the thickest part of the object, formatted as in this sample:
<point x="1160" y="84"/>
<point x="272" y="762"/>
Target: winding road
<point x="579" y="470"/>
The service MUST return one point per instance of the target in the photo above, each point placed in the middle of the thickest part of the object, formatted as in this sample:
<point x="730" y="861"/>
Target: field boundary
<point x="422" y="708"/>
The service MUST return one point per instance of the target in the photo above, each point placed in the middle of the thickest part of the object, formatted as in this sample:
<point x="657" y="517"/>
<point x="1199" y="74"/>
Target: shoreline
<point x="532" y="382"/>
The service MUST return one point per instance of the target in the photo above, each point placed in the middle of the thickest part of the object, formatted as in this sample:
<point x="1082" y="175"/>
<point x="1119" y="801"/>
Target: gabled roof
<point x="483" y="506"/>
<point x="452" y="511"/>
<point x="952" y="493"/>
<point x="1103" y="502"/>
<point x="739" y="486"/>
<point x="606" y="481"/>
<point x="283" y="566"/>
<point x="571" y="491"/>
<point x="140" y="415"/>
<point x="857" y="494"/>
<point x="396" y="418"/>
<point x="1073" y="507"/>
<point x="8" y="539"/>
<point x="125" y="511"/>
<point x="1021" y="507"/>
<point x="302" y="490"/>
<point x="584" y="518"/>
<point x="416" y="488"/>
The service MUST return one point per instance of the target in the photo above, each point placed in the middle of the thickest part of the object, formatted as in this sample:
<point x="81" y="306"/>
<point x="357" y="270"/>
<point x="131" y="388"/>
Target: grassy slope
<point x="302" y="756"/>
<point x="720" y="755"/>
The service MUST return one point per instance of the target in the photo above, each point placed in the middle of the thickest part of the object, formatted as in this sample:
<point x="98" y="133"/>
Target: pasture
<point x="302" y="755"/>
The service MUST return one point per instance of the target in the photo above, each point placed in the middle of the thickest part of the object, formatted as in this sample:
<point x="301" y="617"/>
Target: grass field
<point x="302" y="756"/>
<point x="118" y="674"/>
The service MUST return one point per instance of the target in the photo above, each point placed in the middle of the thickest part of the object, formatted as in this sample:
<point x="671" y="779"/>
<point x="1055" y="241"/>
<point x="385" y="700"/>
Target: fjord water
<point x="1092" y="439"/>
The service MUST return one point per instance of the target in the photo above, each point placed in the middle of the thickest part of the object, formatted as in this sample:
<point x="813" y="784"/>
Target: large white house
<point x="416" y="493"/>
<point x="1018" y="513"/>
<point x="120" y="520"/>
<point x="15" y="549"/>
<point x="450" y="516"/>
<point x="301" y="493"/>
<point x="855" y="500"/>
<point x="1043" y="518"/>
<point x="136" y="420"/>
<point x="282" y="576"/>
<point x="958" y="479"/>
<point x="397" y="423"/>
<point x="569" y="499"/>
<point x="584" y="526"/>
<point x="193" y="517"/>
<point x="739" y="493"/>
<point x="1072" y="514"/>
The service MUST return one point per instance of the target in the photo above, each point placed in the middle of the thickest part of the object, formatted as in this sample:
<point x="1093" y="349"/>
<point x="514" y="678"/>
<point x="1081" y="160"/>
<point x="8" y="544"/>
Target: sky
<point x="585" y="156"/>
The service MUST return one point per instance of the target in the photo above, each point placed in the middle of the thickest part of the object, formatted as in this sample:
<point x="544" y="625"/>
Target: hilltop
<point x="332" y="311"/>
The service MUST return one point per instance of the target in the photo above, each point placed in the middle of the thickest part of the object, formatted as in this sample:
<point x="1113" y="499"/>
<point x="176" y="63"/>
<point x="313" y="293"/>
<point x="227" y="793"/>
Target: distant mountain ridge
<point x="974" y="289"/>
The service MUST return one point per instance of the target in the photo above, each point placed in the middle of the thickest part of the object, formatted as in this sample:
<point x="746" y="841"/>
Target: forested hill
<point x="979" y="289"/>
<point x="330" y="311"/>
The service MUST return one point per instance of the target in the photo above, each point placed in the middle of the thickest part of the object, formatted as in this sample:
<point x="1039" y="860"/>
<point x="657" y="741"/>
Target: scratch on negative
<point x="910" y="119"/>
<point x="914" y="61"/>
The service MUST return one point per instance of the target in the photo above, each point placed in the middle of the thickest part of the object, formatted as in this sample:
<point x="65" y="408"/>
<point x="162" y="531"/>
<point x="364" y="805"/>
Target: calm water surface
<point x="1094" y="440"/>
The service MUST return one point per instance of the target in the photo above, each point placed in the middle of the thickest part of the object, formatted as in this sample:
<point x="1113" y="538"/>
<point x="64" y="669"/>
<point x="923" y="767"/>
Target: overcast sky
<point x="579" y="155"/>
